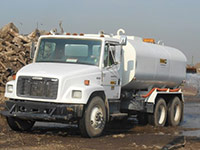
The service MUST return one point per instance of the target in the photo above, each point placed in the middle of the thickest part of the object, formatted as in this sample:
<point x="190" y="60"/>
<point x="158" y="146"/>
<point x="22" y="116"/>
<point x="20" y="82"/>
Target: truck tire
<point x="93" y="121"/>
<point x="175" y="111"/>
<point x="159" y="117"/>
<point x="17" y="124"/>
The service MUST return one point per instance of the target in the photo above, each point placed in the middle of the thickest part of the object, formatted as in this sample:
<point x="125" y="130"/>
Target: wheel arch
<point x="169" y="96"/>
<point x="166" y="95"/>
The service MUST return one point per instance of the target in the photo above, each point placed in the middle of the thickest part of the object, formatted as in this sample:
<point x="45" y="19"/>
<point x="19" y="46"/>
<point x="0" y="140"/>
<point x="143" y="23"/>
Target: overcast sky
<point x="176" y="22"/>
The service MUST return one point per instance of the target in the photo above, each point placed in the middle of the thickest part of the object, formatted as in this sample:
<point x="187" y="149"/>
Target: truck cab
<point x="67" y="73"/>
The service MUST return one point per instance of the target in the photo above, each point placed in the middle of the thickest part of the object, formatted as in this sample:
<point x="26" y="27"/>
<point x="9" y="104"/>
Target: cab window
<point x="109" y="55"/>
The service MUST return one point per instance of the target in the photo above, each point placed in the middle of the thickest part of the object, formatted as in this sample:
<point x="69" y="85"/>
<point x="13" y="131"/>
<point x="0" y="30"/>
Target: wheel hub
<point x="96" y="118"/>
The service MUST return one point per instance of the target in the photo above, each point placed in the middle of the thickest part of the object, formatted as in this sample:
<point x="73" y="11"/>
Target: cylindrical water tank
<point x="148" y="65"/>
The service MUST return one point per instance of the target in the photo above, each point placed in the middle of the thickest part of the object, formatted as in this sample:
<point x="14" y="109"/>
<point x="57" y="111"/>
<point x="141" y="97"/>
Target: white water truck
<point x="91" y="79"/>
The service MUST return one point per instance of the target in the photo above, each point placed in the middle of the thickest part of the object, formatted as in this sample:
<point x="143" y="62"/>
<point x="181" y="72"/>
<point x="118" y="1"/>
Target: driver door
<point x="111" y="80"/>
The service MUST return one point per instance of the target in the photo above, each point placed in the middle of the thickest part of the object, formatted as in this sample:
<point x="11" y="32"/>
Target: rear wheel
<point x="175" y="112"/>
<point x="17" y="124"/>
<point x="93" y="121"/>
<point x="159" y="117"/>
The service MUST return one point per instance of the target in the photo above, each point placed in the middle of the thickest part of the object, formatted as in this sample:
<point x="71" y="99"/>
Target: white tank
<point x="148" y="65"/>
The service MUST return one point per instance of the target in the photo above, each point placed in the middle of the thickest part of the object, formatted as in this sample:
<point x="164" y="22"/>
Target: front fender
<point x="86" y="92"/>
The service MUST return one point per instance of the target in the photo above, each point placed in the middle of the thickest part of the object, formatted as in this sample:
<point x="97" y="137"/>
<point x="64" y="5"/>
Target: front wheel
<point x="17" y="124"/>
<point x="93" y="121"/>
<point x="159" y="117"/>
<point x="175" y="108"/>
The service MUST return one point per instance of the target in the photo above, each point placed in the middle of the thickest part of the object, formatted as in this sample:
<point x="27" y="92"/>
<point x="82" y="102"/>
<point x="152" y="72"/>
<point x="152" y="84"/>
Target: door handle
<point x="118" y="81"/>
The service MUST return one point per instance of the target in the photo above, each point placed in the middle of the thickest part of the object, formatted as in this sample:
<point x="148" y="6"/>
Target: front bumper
<point x="40" y="111"/>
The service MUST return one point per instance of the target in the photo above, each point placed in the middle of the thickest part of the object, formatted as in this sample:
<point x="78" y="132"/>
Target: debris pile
<point x="14" y="51"/>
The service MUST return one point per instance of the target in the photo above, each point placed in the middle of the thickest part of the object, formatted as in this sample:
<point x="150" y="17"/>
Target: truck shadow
<point x="121" y="126"/>
<point x="55" y="129"/>
<point x="113" y="127"/>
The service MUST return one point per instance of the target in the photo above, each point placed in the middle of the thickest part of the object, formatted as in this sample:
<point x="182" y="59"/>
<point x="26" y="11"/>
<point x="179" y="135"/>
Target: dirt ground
<point x="117" y="136"/>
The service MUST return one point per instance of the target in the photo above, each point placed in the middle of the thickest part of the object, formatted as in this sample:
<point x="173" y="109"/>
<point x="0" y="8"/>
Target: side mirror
<point x="33" y="48"/>
<point x="123" y="40"/>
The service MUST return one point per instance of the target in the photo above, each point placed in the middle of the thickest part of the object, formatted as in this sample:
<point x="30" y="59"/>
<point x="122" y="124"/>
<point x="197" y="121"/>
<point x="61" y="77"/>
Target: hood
<point x="56" y="70"/>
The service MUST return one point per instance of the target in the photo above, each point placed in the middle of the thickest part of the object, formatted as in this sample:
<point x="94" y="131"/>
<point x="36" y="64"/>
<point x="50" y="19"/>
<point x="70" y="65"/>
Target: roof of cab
<point x="85" y="36"/>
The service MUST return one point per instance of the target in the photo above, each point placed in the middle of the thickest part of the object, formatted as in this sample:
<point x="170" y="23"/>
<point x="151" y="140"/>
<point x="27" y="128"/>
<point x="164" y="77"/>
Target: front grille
<point x="37" y="87"/>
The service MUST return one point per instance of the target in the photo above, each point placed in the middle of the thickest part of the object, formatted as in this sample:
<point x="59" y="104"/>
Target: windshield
<point x="78" y="51"/>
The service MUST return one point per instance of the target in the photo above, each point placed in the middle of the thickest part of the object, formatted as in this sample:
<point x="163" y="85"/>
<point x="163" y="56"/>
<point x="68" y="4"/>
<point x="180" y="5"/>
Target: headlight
<point x="9" y="88"/>
<point x="76" y="94"/>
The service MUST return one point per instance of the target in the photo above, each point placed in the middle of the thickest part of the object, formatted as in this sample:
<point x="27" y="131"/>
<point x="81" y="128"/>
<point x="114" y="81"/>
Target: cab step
<point x="120" y="115"/>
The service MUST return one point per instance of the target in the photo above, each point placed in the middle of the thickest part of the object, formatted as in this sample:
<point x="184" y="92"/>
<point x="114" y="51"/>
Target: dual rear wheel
<point x="170" y="113"/>
<point x="164" y="113"/>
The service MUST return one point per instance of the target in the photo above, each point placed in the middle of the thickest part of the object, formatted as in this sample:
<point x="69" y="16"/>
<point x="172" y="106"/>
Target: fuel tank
<point x="148" y="65"/>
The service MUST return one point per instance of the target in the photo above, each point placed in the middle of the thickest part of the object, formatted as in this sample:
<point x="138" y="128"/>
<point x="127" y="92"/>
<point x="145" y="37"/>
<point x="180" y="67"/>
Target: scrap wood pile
<point x="14" y="51"/>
